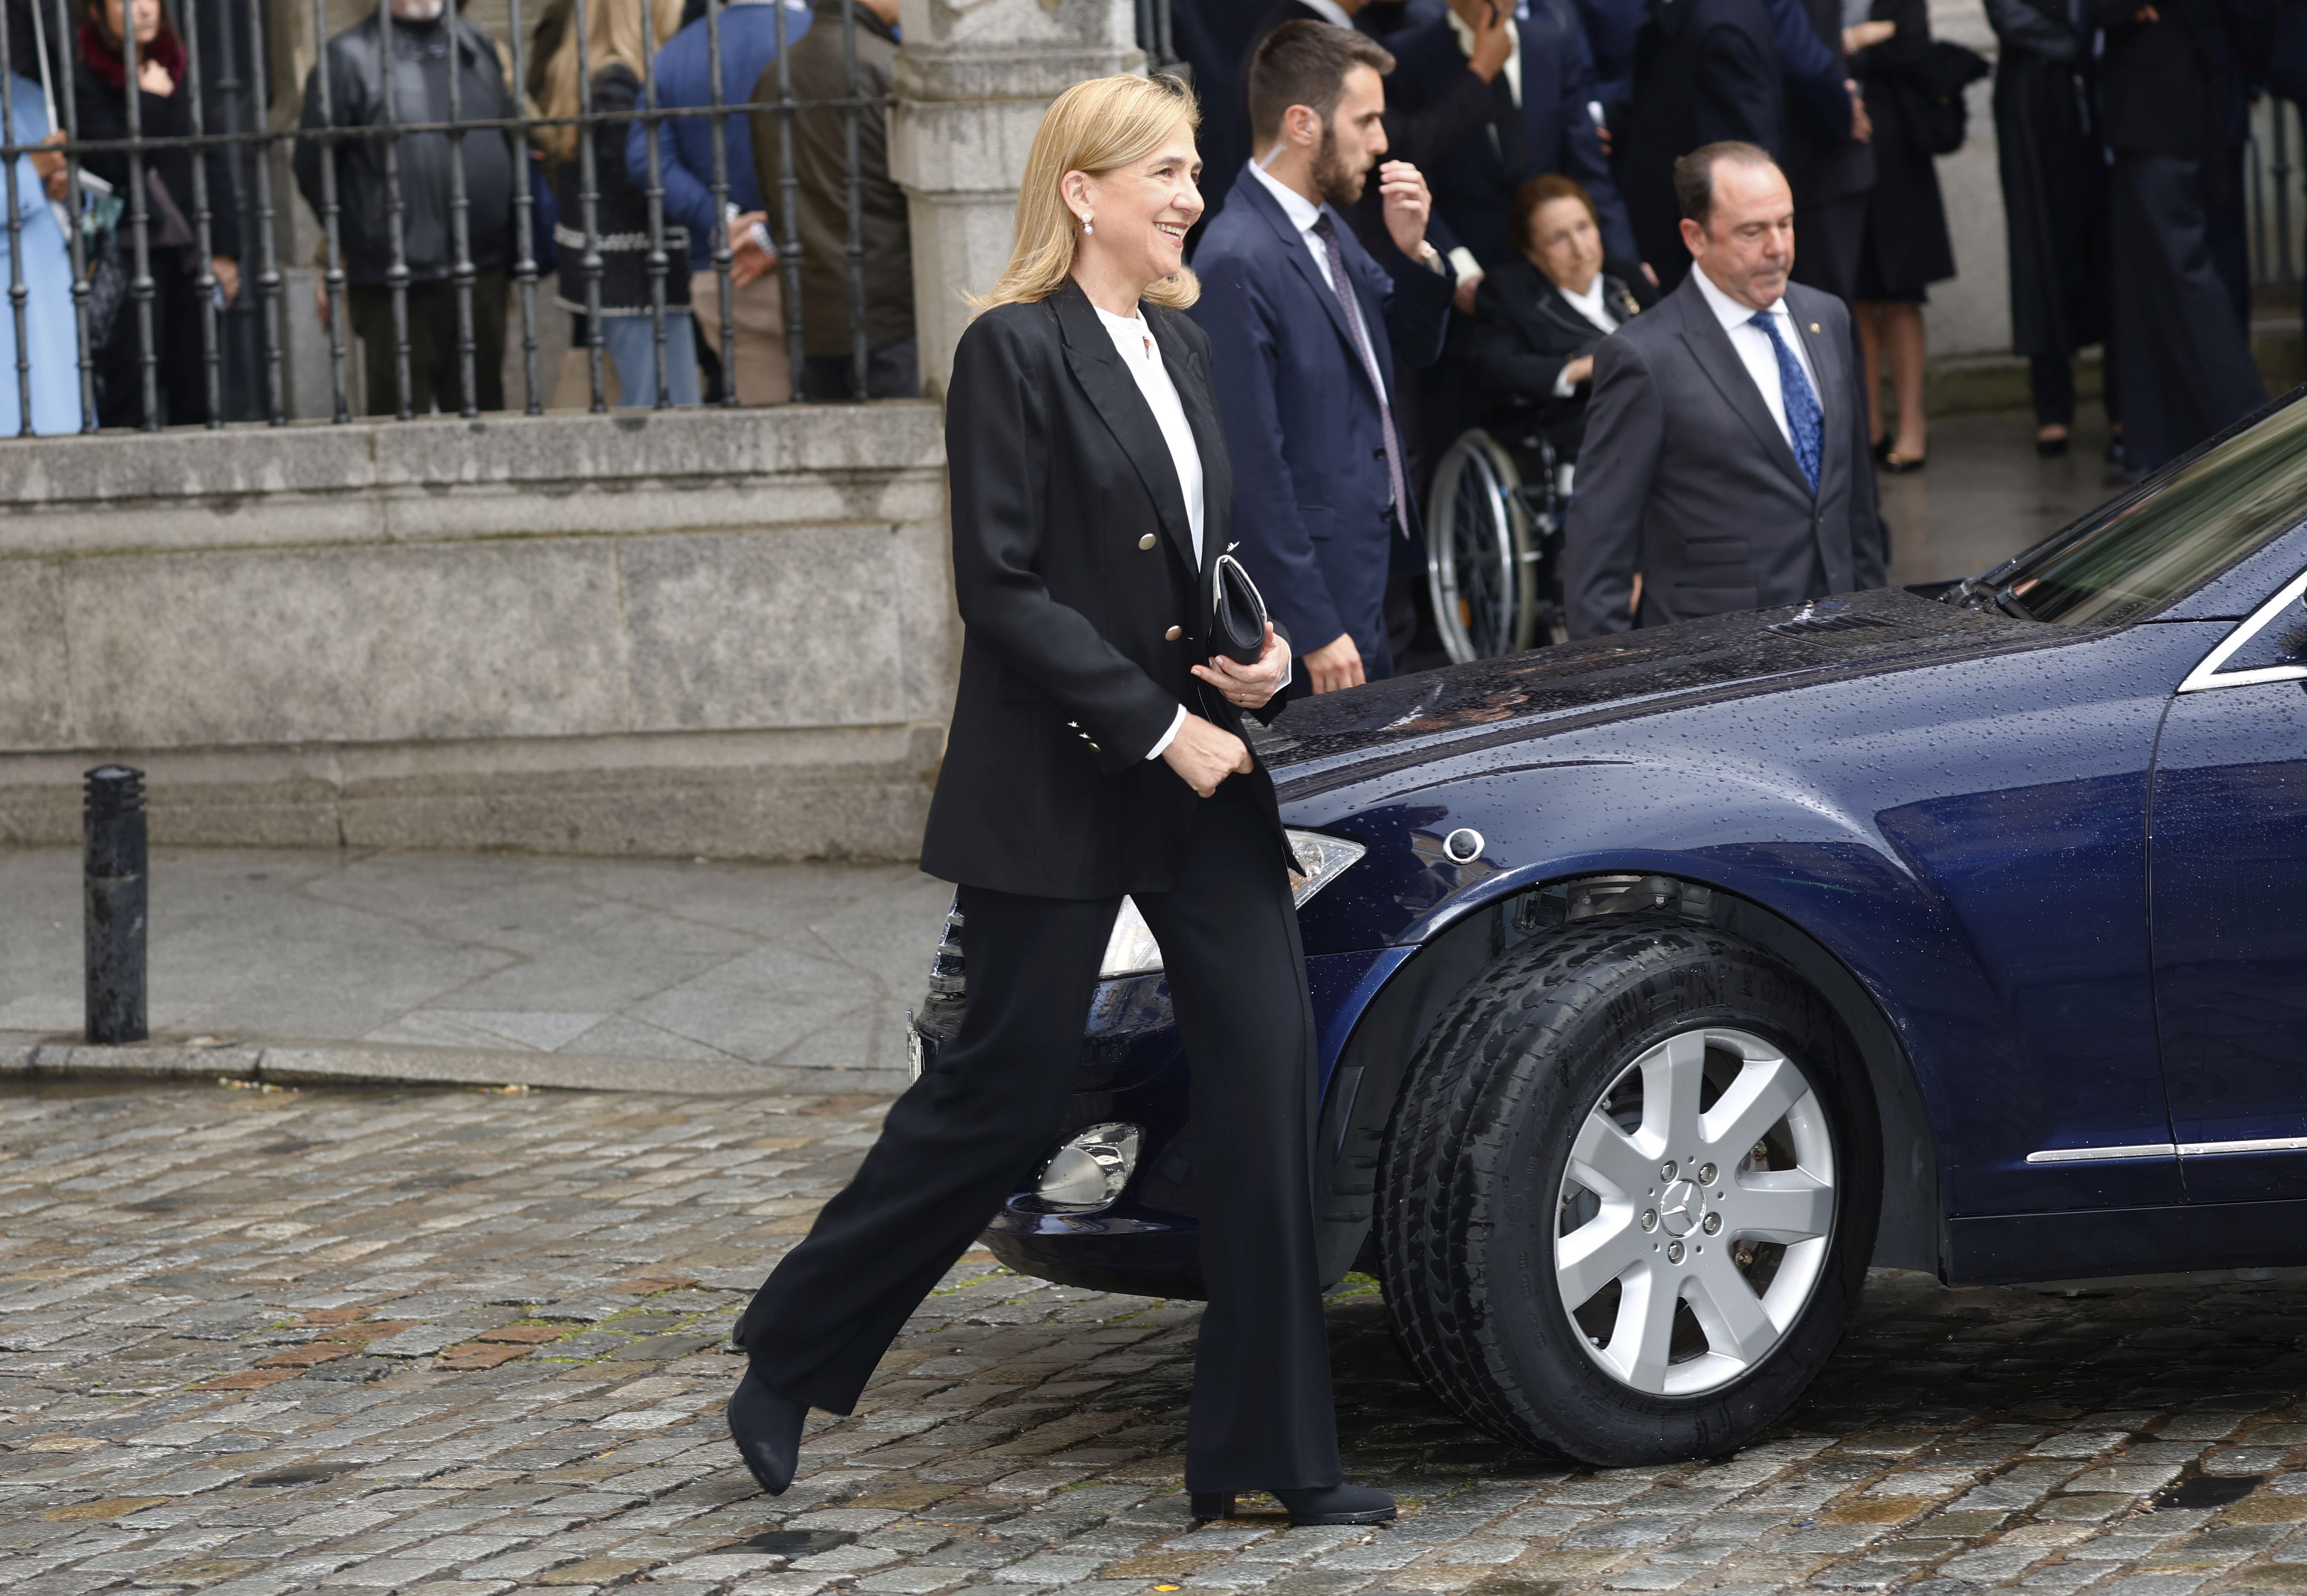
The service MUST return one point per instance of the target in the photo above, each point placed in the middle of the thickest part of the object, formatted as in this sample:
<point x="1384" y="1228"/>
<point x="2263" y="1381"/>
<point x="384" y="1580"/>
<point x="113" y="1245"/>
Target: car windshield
<point x="2143" y="550"/>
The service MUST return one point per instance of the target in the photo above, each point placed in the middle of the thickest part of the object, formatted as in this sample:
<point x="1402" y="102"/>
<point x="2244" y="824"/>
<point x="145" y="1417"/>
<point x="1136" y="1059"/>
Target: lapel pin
<point x="1814" y="327"/>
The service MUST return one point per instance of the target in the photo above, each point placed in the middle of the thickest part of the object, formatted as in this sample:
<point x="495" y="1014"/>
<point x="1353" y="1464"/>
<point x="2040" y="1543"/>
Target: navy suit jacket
<point x="1301" y="418"/>
<point x="1473" y="191"/>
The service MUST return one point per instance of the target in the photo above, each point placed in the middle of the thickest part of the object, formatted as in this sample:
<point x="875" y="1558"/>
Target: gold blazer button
<point x="1147" y="541"/>
<point x="1173" y="634"/>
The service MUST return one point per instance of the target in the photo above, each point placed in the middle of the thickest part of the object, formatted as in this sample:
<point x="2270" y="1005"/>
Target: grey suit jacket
<point x="1685" y="478"/>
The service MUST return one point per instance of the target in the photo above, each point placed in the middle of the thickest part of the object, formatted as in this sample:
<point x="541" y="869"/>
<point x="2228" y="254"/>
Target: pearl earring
<point x="1087" y="229"/>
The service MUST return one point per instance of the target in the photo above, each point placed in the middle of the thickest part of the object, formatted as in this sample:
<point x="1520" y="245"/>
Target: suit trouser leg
<point x="1261" y="1416"/>
<point x="965" y="1136"/>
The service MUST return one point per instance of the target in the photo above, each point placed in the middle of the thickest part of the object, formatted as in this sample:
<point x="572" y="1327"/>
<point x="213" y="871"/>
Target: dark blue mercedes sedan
<point x="1668" y="980"/>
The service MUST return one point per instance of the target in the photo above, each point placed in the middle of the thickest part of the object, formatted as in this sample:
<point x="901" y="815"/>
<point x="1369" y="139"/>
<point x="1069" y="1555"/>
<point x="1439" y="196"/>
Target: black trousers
<point x="2184" y="366"/>
<point x="436" y="373"/>
<point x="976" y="1126"/>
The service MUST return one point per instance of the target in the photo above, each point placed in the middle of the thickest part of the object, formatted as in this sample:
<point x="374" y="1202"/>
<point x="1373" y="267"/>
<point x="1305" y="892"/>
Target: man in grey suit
<point x="1726" y="464"/>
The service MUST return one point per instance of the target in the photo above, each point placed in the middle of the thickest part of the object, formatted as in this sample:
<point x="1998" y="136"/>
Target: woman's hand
<point x="1580" y="369"/>
<point x="227" y="276"/>
<point x="1203" y="755"/>
<point x="1860" y="36"/>
<point x="153" y="78"/>
<point x="1250" y="686"/>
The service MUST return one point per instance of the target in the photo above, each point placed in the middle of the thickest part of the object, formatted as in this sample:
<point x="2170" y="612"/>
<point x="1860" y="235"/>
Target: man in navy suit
<point x="1303" y="325"/>
<point x="1540" y="122"/>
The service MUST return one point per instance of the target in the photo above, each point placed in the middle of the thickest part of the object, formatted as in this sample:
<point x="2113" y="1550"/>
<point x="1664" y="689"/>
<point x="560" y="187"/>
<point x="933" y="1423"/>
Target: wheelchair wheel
<point x="1482" y="552"/>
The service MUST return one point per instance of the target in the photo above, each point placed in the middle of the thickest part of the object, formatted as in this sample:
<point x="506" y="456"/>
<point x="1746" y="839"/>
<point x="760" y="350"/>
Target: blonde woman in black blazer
<point x="1096" y="751"/>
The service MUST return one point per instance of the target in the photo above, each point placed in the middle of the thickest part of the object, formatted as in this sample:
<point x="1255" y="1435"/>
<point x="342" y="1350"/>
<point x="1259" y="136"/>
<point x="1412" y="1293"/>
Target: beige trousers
<point x="764" y="373"/>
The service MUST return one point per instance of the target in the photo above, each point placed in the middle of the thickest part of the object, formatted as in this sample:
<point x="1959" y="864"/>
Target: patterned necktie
<point x="1803" y="418"/>
<point x="1345" y="287"/>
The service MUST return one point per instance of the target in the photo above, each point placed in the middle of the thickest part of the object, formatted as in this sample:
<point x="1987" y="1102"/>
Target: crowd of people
<point x="1672" y="253"/>
<point x="427" y="226"/>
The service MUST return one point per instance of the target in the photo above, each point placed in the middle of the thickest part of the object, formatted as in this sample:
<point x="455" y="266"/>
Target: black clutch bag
<point x="1236" y="613"/>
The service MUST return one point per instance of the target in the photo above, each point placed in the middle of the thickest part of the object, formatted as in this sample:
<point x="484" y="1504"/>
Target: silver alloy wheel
<point x="1695" y="1213"/>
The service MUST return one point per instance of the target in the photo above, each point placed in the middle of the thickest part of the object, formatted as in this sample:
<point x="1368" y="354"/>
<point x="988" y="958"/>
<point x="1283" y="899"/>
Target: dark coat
<point x="1691" y="482"/>
<point x="1524" y="333"/>
<point x="620" y="216"/>
<point x="100" y="110"/>
<point x="1070" y="674"/>
<point x="1823" y="163"/>
<point x="1704" y="71"/>
<point x="420" y="84"/>
<point x="1302" y="422"/>
<point x="2160" y="83"/>
<point x="2053" y="181"/>
<point x="1907" y="244"/>
<point x="818" y="64"/>
<point x="1474" y="182"/>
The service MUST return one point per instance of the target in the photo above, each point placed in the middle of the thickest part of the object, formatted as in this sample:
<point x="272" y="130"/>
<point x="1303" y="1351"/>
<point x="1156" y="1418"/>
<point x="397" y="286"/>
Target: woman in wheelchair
<point x="1495" y="507"/>
<point x="1529" y="353"/>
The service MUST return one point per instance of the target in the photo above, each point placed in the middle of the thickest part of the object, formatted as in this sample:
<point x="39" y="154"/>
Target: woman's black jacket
<point x="1524" y="332"/>
<point x="101" y="111"/>
<point x="1082" y="608"/>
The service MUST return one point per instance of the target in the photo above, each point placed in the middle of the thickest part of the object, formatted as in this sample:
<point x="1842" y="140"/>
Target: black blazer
<point x="1524" y="333"/>
<point x="1082" y="606"/>
<point x="1704" y="71"/>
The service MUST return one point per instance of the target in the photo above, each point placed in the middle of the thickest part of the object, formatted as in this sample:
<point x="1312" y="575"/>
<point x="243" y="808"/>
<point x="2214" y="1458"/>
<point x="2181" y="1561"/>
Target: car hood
<point x="1325" y="742"/>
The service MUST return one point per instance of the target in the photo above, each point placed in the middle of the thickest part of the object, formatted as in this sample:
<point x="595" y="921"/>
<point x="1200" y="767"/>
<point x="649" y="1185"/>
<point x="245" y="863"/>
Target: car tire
<point x="1506" y="1194"/>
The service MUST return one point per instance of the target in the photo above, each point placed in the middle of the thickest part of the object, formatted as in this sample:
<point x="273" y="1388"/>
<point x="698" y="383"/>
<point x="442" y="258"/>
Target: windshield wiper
<point x="1974" y="593"/>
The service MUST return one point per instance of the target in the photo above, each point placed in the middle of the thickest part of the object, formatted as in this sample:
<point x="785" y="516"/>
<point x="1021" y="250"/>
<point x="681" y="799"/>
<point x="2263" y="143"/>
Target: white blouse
<point x="1133" y="340"/>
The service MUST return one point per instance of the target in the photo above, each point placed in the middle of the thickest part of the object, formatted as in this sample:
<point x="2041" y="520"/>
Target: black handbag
<point x="1935" y="81"/>
<point x="1236" y="613"/>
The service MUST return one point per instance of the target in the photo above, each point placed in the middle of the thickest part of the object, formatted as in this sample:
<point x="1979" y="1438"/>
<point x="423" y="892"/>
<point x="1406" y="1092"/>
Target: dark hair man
<point x="1707" y="72"/>
<point x="1303" y="325"/>
<point x="1726" y="463"/>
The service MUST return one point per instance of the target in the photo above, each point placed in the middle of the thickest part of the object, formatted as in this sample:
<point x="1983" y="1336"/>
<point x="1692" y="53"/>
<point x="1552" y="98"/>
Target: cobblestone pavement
<point x="259" y="1341"/>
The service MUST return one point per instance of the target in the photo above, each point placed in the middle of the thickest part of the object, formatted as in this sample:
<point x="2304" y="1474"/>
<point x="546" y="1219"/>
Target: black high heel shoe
<point x="1329" y="1504"/>
<point x="767" y="1428"/>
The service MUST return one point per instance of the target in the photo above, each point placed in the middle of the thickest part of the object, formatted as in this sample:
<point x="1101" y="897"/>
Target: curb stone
<point x="301" y="1062"/>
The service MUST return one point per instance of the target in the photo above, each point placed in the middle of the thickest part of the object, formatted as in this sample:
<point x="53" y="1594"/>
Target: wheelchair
<point x="1494" y="541"/>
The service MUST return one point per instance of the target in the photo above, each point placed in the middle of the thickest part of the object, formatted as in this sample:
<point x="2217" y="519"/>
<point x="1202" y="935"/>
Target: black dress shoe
<point x="1331" y="1504"/>
<point x="767" y="1428"/>
<point x="2050" y="448"/>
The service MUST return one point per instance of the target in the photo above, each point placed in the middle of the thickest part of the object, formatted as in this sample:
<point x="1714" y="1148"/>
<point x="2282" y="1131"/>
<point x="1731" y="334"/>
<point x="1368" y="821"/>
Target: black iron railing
<point x="110" y="238"/>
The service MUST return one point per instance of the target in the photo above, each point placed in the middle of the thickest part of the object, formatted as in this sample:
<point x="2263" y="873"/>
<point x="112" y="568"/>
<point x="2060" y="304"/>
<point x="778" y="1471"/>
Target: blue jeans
<point x="632" y="342"/>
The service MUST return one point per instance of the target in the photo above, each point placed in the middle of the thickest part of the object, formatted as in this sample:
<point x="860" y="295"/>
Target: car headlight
<point x="1131" y="950"/>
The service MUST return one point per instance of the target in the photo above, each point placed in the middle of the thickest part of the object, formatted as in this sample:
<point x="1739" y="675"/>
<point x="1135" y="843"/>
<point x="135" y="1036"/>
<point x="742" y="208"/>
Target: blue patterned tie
<point x="1803" y="418"/>
<point x="1327" y="234"/>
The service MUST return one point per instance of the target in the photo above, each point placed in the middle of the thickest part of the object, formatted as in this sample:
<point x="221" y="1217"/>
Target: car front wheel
<point x="1630" y="1194"/>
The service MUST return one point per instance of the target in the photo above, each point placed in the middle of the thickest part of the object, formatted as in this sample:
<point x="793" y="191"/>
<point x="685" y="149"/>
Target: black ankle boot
<point x="1332" y="1505"/>
<point x="1338" y="1505"/>
<point x="767" y="1428"/>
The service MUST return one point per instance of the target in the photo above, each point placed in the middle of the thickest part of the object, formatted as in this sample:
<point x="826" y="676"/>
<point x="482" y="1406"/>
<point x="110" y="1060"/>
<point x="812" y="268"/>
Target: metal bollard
<point x="113" y="894"/>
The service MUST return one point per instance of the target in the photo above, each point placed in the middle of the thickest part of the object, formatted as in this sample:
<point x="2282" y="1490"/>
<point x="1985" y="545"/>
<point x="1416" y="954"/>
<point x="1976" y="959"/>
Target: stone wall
<point x="696" y="632"/>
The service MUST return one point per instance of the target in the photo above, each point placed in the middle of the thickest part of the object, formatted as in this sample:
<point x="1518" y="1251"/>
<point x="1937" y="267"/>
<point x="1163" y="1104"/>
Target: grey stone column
<point x="973" y="78"/>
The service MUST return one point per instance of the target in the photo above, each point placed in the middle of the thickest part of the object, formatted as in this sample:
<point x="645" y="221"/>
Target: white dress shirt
<point x="1589" y="304"/>
<point x="1329" y="11"/>
<point x="1755" y="350"/>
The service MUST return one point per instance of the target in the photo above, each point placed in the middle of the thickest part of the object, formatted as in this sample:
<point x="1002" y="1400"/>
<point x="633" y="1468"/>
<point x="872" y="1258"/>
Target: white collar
<point x="1466" y="34"/>
<point x="1329" y="11"/>
<point x="1124" y="326"/>
<point x="1590" y="302"/>
<point x="1728" y="311"/>
<point x="1302" y="212"/>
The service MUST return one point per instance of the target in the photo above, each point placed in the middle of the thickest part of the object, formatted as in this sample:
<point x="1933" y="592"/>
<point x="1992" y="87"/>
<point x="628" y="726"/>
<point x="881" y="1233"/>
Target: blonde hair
<point x="613" y="35"/>
<point x="1096" y="127"/>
